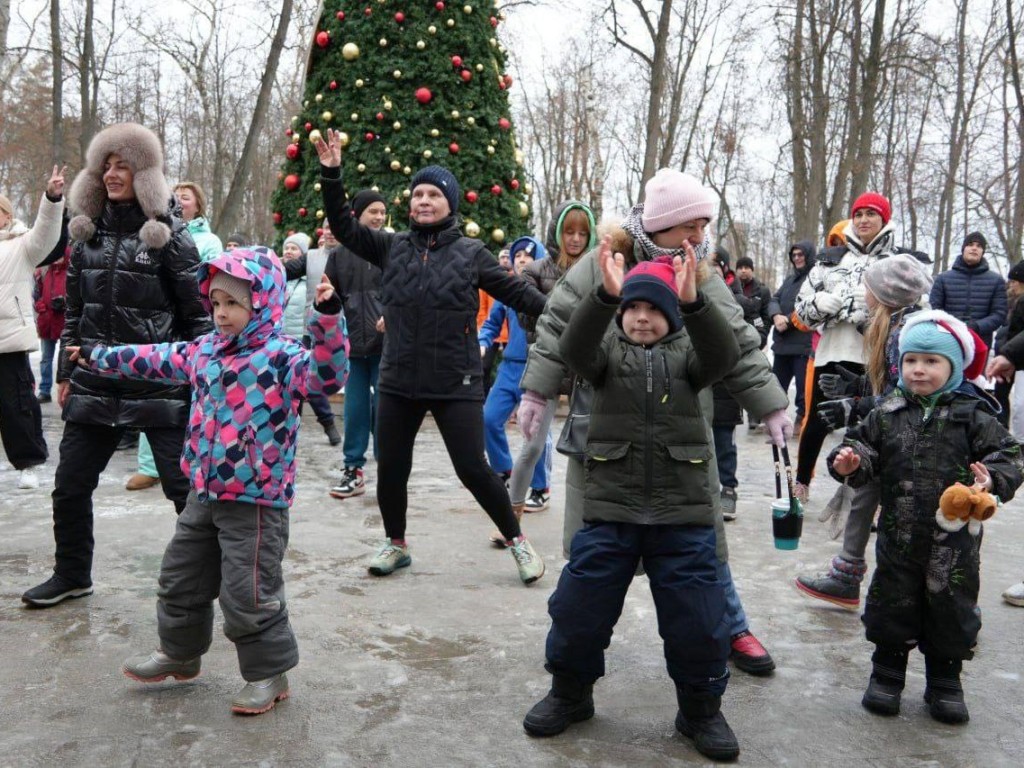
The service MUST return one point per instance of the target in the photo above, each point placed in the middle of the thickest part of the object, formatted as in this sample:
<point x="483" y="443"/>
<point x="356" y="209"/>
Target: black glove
<point x="837" y="414"/>
<point x="332" y="306"/>
<point x="58" y="303"/>
<point x="843" y="383"/>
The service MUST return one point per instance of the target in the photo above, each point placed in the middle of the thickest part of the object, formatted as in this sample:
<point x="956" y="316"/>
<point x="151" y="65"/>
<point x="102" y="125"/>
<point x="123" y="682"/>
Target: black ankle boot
<point x="567" y="702"/>
<point x="943" y="692"/>
<point x="885" y="688"/>
<point x="700" y="719"/>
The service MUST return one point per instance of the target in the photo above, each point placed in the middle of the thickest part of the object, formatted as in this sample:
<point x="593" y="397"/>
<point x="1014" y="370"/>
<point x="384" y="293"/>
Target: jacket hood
<point x="261" y="267"/>
<point x="199" y="226"/>
<point x="554" y="236"/>
<point x="141" y="148"/>
<point x="539" y="252"/>
<point x="810" y="252"/>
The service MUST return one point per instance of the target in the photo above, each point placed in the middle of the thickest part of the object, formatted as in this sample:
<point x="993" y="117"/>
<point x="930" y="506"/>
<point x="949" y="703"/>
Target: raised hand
<point x="686" y="274"/>
<point x="846" y="462"/>
<point x="613" y="266"/>
<point x="329" y="151"/>
<point x="324" y="290"/>
<point x="55" y="186"/>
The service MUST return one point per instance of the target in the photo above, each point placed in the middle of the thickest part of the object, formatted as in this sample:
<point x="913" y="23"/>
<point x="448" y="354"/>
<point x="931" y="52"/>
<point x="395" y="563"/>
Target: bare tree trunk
<point x="86" y="65"/>
<point x="57" y="59"/>
<point x="228" y="216"/>
<point x="868" y="104"/>
<point x="1012" y="242"/>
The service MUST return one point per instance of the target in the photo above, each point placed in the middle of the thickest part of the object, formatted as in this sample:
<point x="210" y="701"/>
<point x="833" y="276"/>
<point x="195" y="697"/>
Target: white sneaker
<point x="27" y="480"/>
<point x="1015" y="595"/>
<point x="4" y="466"/>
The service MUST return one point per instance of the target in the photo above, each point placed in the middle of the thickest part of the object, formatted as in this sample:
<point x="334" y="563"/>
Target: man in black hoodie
<point x="791" y="346"/>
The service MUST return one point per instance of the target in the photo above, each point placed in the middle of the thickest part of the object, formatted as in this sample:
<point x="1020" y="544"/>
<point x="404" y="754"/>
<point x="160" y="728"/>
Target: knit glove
<point x="837" y="414"/>
<point x="531" y="411"/>
<point x="779" y="427"/>
<point x="837" y="511"/>
<point x="828" y="304"/>
<point x="842" y="383"/>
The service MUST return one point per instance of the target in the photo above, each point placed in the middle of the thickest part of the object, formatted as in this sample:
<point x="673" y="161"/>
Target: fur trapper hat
<point x="141" y="149"/>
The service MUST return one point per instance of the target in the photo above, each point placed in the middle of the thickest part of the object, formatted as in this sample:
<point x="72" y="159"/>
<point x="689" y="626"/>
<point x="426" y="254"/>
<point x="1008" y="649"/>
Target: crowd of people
<point x="656" y="336"/>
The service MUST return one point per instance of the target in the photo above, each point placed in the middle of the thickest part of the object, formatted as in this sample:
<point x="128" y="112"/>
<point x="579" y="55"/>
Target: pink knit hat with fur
<point x="672" y="198"/>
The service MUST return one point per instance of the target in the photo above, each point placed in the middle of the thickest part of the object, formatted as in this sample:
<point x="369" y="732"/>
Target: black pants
<point x="813" y="435"/>
<point x="21" y="421"/>
<point x="85" y="450"/>
<point x="1002" y="394"/>
<point x="788" y="368"/>
<point x="461" y="423"/>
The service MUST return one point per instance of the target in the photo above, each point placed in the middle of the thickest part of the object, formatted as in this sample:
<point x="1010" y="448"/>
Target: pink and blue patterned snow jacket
<point x="246" y="389"/>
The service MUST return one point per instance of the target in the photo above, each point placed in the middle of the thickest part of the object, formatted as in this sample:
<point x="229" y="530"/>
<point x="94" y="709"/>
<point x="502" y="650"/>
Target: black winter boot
<point x="943" y="692"/>
<point x="567" y="702"/>
<point x="888" y="676"/>
<point x="700" y="719"/>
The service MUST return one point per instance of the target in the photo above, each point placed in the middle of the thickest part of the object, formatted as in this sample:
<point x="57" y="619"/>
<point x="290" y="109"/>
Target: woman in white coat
<point x="21" y="251"/>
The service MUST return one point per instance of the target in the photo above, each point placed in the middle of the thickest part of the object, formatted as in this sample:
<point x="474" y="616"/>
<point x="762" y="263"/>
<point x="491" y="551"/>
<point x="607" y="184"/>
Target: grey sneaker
<point x="389" y="559"/>
<point x="157" y="666"/>
<point x="830" y="589"/>
<point x="728" y="497"/>
<point x="260" y="696"/>
<point x="531" y="567"/>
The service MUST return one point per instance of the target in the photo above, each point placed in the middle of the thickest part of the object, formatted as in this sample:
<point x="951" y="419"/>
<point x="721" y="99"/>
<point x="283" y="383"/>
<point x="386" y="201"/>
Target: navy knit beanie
<point x="975" y="237"/>
<point x="441" y="178"/>
<point x="654" y="281"/>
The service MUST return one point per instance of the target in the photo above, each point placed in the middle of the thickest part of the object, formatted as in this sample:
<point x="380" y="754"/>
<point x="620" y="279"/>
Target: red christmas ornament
<point x="288" y="131"/>
<point x="303" y="212"/>
<point x="292" y="151"/>
<point x="494" y="21"/>
<point x="514" y="183"/>
<point x="292" y="182"/>
<point x="399" y="17"/>
<point x="368" y="11"/>
<point x="507" y="79"/>
<point x="423" y="95"/>
<point x="340" y="15"/>
<point x="334" y="85"/>
<point x="369" y="136"/>
<point x="439" y="5"/>
<point x="319" y="232"/>
<point x="456" y="61"/>
<point x="504" y="124"/>
<point x="501" y="86"/>
<point x="453" y="148"/>
<point x="309" y="127"/>
<point x="380" y="115"/>
<point x="278" y="218"/>
<point x="496" y="189"/>
<point x="472" y="197"/>
<point x="323" y="39"/>
<point x="466" y="75"/>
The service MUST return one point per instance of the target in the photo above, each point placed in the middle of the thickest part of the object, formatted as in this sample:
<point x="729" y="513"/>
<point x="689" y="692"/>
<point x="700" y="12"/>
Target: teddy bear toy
<point x="962" y="505"/>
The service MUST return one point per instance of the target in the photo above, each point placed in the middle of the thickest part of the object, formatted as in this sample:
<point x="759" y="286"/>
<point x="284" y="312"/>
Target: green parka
<point x="648" y="449"/>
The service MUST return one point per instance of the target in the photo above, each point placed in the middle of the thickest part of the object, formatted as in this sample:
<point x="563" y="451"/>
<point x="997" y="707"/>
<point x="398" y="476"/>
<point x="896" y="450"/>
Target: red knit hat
<point x="875" y="202"/>
<point x="655" y="282"/>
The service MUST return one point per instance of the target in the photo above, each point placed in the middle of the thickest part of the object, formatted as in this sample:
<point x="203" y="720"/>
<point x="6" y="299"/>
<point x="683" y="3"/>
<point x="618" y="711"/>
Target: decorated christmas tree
<point x="409" y="83"/>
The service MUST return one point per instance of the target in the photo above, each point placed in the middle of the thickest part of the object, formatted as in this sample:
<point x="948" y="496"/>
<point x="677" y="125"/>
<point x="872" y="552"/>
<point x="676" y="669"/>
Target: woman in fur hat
<point x="677" y="208"/>
<point x="21" y="251"/>
<point x="132" y="281"/>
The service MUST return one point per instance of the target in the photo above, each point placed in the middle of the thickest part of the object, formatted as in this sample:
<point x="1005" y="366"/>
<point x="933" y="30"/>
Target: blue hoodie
<point x="515" y="350"/>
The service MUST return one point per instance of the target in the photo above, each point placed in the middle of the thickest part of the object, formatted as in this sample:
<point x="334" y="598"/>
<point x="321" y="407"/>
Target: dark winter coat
<point x="754" y="297"/>
<point x="358" y="283"/>
<point x="429" y="295"/>
<point x="50" y="299"/>
<point x="648" y="450"/>
<point x="926" y="581"/>
<point x="1013" y="326"/>
<point x="121" y="292"/>
<point x="975" y="294"/>
<point x="792" y="341"/>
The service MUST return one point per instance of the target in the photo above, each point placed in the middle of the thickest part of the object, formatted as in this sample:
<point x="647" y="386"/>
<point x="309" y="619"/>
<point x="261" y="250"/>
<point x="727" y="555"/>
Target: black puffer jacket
<point x="431" y="276"/>
<point x="792" y="341"/>
<point x="119" y="292"/>
<point x="358" y="283"/>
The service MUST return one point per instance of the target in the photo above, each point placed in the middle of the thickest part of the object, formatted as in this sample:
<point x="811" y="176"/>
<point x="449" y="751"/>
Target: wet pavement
<point x="436" y="665"/>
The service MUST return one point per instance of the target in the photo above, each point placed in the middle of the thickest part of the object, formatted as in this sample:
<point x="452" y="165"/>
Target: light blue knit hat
<point x="939" y="333"/>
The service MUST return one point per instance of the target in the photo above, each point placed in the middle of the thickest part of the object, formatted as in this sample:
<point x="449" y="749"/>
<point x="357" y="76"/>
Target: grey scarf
<point x="634" y="226"/>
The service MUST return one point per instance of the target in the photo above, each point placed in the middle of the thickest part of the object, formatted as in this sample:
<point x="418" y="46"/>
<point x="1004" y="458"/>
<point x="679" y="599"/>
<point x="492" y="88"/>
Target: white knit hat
<point x="672" y="197"/>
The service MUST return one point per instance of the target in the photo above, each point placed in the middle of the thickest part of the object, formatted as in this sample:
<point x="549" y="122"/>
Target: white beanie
<point x="672" y="197"/>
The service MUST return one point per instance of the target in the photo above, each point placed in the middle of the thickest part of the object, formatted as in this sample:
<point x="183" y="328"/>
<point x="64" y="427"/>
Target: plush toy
<point x="962" y="505"/>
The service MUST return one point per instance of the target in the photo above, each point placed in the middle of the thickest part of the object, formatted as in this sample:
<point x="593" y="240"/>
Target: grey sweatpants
<point x="858" y="524"/>
<point x="232" y="551"/>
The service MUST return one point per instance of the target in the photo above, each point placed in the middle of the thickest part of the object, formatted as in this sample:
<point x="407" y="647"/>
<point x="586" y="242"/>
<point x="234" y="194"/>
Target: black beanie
<point x="722" y="256"/>
<point x="363" y="199"/>
<point x="744" y="261"/>
<point x="975" y="237"/>
<point x="1017" y="272"/>
<point x="441" y="178"/>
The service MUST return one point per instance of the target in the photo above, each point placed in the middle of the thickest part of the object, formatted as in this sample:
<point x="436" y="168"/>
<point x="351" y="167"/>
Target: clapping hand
<point x="612" y="266"/>
<point x="55" y="186"/>
<point x="329" y="151"/>
<point x="686" y="274"/>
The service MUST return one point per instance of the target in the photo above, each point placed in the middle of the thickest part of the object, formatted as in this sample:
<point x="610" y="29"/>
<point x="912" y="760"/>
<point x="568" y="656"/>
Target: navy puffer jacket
<point x="975" y="294"/>
<point x="792" y="341"/>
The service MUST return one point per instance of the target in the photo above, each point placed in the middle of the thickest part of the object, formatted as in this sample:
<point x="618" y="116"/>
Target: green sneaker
<point x="390" y="558"/>
<point x="531" y="567"/>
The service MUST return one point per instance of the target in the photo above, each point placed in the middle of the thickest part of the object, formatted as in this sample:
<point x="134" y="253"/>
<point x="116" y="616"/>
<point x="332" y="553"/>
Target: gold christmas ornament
<point x="305" y="103"/>
<point x="420" y="45"/>
<point x="490" y="150"/>
<point x="397" y="74"/>
<point x="387" y="104"/>
<point x="407" y="170"/>
<point x="361" y="167"/>
<point x="355" y="117"/>
<point x="472" y="229"/>
<point x="397" y="125"/>
<point x="432" y="29"/>
<point x="519" y="156"/>
<point x="395" y="165"/>
<point x="350" y="51"/>
<point x="316" y="187"/>
<point x="455" y="114"/>
<point x="524" y="209"/>
<point x="396" y="200"/>
<point x="434" y="132"/>
<point x="295" y="138"/>
<point x="327" y="116"/>
<point x="450" y="23"/>
<point x="314" y="136"/>
<point x="427" y="154"/>
<point x="318" y="98"/>
<point x="406" y="194"/>
<point x="479" y="67"/>
<point x="493" y="43"/>
<point x="295" y="119"/>
<point x="360" y="83"/>
<point x="467" y="9"/>
<point x="319" y="213"/>
<point x="383" y="42"/>
<point x="343" y="138"/>
<point x="527" y="189"/>
<point x="471" y="120"/>
<point x="387" y="150"/>
<point x="498" y="235"/>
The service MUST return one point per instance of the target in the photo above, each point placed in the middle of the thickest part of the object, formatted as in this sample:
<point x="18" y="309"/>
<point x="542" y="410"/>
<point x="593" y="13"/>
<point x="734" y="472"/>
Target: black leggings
<point x="813" y="434"/>
<point x="461" y="423"/>
<point x="21" y="421"/>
